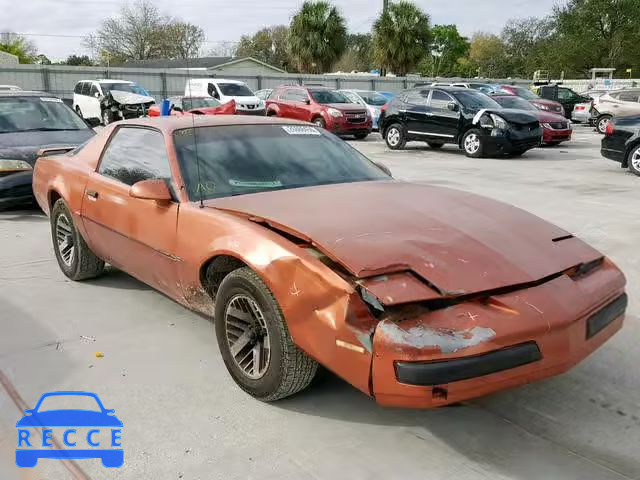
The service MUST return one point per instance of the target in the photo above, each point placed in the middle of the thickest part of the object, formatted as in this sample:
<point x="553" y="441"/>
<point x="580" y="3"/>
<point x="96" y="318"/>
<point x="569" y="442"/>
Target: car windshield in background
<point x="238" y="160"/>
<point x="373" y="98"/>
<point x="235" y="90"/>
<point x="514" y="102"/>
<point x="475" y="100"/>
<point x="524" y="93"/>
<point x="18" y="114"/>
<point x="123" y="87"/>
<point x="328" y="96"/>
<point x="194" y="103"/>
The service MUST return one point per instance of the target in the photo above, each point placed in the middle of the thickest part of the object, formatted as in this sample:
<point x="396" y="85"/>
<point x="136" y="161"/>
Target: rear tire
<point x="472" y="143"/>
<point x="602" y="122"/>
<point x="395" y="137"/>
<point x="266" y="364"/>
<point x="633" y="160"/>
<point x="75" y="258"/>
<point x="435" y="145"/>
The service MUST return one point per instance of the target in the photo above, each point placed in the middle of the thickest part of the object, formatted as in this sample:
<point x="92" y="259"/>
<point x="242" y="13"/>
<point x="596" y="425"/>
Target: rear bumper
<point x="613" y="149"/>
<point x="343" y="127"/>
<point x="16" y="189"/>
<point x="473" y="349"/>
<point x="581" y="116"/>
<point x="614" y="155"/>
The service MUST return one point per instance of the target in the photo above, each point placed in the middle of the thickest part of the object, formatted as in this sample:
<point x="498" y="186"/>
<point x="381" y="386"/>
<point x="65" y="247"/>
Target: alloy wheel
<point x="635" y="159"/>
<point x="247" y="336"/>
<point x="64" y="239"/>
<point x="393" y="136"/>
<point x="472" y="143"/>
<point x="602" y="125"/>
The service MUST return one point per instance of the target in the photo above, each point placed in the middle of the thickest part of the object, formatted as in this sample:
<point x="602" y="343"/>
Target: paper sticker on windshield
<point x="50" y="99"/>
<point x="300" y="130"/>
<point x="255" y="184"/>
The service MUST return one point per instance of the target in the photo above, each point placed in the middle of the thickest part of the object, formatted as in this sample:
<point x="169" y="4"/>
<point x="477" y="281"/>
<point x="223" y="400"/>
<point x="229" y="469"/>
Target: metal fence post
<point x="259" y="79"/>
<point x="338" y="83"/>
<point x="163" y="79"/>
<point x="46" y="81"/>
<point x="373" y="84"/>
<point x="405" y="83"/>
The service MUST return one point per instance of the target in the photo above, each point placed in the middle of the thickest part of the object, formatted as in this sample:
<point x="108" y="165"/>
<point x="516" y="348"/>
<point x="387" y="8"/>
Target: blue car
<point x="373" y="101"/>
<point x="28" y="457"/>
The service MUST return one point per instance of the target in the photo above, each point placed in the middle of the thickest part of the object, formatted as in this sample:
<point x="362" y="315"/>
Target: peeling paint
<point x="445" y="340"/>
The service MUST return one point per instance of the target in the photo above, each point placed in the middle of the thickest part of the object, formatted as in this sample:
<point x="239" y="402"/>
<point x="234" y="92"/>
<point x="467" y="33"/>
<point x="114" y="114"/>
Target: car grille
<point x="526" y="143"/>
<point x="527" y="127"/>
<point x="356" y="117"/>
<point x="559" y="125"/>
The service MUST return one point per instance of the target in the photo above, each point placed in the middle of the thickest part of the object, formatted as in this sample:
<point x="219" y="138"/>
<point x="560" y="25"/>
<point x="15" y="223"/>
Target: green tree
<point x="19" y="46"/>
<point x="269" y="45"/>
<point x="401" y="37"/>
<point x="75" y="60"/>
<point x="317" y="37"/>
<point x="359" y="54"/>
<point x="488" y="54"/>
<point x="447" y="48"/>
<point x="597" y="33"/>
<point x="530" y="45"/>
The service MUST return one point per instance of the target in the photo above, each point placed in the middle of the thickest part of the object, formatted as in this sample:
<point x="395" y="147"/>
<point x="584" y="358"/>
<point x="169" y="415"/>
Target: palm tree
<point x="401" y="37"/>
<point x="317" y="37"/>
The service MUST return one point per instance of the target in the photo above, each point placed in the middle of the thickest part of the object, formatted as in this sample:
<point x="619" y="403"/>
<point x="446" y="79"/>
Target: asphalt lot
<point x="185" y="418"/>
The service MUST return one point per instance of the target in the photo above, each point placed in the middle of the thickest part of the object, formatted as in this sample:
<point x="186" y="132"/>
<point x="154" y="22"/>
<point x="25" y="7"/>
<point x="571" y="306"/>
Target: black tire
<point x="319" y="122"/>
<point x="601" y="123"/>
<point x="435" y="145"/>
<point x="395" y="137"/>
<point x="633" y="160"/>
<point x="361" y="136"/>
<point x="473" y="147"/>
<point x="289" y="369"/>
<point x="83" y="264"/>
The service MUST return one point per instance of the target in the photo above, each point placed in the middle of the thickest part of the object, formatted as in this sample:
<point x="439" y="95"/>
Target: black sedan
<point x="463" y="117"/>
<point x="29" y="122"/>
<point x="622" y="142"/>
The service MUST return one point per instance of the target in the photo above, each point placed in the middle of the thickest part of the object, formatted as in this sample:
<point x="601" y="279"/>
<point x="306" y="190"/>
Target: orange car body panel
<point x="354" y="285"/>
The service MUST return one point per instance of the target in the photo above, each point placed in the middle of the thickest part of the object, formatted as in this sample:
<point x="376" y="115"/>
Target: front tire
<point x="254" y="341"/>
<point x="75" y="258"/>
<point x="633" y="161"/>
<point x="472" y="143"/>
<point x="319" y="122"/>
<point x="395" y="137"/>
<point x="602" y="122"/>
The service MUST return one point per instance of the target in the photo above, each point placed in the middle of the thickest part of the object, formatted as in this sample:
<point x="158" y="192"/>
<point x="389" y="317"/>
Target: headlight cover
<point x="334" y="112"/>
<point x="541" y="106"/>
<point x="498" y="121"/>
<point x="7" y="164"/>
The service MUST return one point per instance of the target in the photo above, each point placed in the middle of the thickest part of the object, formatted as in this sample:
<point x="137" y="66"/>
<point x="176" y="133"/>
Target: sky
<point x="227" y="20"/>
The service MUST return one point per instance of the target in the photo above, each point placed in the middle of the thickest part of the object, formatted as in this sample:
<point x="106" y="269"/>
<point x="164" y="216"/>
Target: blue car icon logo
<point x="99" y="421"/>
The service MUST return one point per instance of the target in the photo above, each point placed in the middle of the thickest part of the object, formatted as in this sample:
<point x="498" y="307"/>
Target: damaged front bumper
<point x="483" y="346"/>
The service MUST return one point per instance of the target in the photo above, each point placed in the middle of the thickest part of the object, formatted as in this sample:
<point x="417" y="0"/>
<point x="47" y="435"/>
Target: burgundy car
<point x="533" y="99"/>
<point x="555" y="127"/>
<point x="320" y="105"/>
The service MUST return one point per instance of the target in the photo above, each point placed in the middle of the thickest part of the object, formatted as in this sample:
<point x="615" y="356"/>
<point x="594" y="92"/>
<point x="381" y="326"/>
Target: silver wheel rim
<point x="472" y="143"/>
<point x="393" y="137"/>
<point x="319" y="123"/>
<point x="105" y="117"/>
<point x="247" y="336"/>
<point x="602" y="124"/>
<point x="635" y="159"/>
<point x="64" y="239"/>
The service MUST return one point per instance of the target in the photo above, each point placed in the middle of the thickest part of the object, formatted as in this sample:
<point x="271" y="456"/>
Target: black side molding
<point x="606" y="315"/>
<point x="448" y="371"/>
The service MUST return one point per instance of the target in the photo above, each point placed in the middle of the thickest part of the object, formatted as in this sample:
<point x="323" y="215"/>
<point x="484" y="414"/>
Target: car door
<point x="135" y="235"/>
<point x="83" y="100"/>
<point x="416" y="113"/>
<point x="628" y="103"/>
<point x="442" y="124"/>
<point x="299" y="104"/>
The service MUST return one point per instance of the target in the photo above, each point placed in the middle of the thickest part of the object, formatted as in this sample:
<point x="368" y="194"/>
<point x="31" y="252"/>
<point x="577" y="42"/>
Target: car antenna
<point x="195" y="136"/>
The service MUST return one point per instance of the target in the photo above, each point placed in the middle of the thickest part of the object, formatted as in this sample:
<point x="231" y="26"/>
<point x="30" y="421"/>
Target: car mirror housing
<point x="155" y="189"/>
<point x="307" y="101"/>
<point x="453" y="106"/>
<point x="97" y="95"/>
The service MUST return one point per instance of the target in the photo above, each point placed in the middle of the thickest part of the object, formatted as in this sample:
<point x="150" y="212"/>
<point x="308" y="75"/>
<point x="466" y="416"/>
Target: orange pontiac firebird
<point x="306" y="253"/>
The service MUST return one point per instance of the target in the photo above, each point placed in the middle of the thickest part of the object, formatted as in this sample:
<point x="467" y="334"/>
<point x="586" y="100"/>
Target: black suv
<point x="464" y="117"/>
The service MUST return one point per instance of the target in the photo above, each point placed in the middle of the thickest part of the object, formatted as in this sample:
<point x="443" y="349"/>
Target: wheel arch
<point x="214" y="270"/>
<point x="635" y="142"/>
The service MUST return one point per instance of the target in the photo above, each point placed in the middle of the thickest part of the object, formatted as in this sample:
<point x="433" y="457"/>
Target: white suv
<point x="226" y="90"/>
<point x="110" y="100"/>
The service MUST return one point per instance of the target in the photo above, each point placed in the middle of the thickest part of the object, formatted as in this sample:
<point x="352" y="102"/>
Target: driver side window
<point x="135" y="154"/>
<point x="213" y="91"/>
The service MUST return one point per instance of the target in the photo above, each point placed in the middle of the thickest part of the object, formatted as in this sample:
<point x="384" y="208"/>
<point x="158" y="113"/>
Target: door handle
<point x="92" y="194"/>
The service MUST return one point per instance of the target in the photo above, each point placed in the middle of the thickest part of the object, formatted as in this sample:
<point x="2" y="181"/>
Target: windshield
<point x="238" y="160"/>
<point x="373" y="98"/>
<point x="123" y="87"/>
<point x="514" y="102"/>
<point x="37" y="113"/>
<point x="524" y="93"/>
<point x="475" y="100"/>
<point x="194" y="103"/>
<point x="235" y="90"/>
<point x="328" y="96"/>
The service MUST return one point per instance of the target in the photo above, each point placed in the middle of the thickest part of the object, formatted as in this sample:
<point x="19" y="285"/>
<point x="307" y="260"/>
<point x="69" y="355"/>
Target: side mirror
<point x="155" y="189"/>
<point x="178" y="109"/>
<point x="97" y="94"/>
<point x="307" y="101"/>
<point x="384" y="168"/>
<point x="29" y="411"/>
<point x="453" y="106"/>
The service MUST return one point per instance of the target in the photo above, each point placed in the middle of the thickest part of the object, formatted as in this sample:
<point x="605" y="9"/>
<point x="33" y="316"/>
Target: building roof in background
<point x="8" y="59"/>
<point x="211" y="63"/>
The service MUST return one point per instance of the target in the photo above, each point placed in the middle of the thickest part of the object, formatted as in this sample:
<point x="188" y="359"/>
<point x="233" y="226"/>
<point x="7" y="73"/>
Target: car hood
<point x="346" y="107"/>
<point x="242" y="100"/>
<point x="130" y="98"/>
<point x="69" y="418"/>
<point x="456" y="242"/>
<point x="25" y="145"/>
<point x="548" y="117"/>
<point x="548" y="103"/>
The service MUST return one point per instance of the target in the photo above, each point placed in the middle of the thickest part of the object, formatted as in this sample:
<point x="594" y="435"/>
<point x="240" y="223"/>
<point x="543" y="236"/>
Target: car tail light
<point x="610" y="128"/>
<point x="580" y="107"/>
